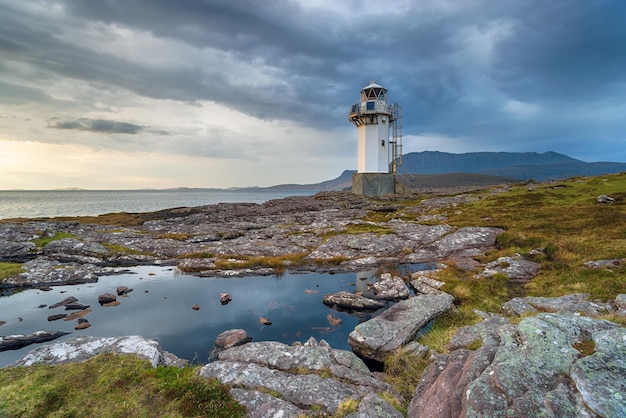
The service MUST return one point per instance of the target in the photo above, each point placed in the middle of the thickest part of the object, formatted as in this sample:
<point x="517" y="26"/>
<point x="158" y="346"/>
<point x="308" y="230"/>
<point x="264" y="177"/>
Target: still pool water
<point x="160" y="307"/>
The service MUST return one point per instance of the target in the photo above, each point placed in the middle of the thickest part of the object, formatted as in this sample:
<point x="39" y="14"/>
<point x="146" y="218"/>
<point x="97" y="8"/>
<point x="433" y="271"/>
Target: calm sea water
<point x="32" y="204"/>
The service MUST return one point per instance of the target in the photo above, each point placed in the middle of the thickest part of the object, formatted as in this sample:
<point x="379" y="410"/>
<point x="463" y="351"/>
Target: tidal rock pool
<point x="160" y="307"/>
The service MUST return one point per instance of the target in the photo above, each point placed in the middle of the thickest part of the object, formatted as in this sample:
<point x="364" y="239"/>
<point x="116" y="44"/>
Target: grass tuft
<point x="111" y="385"/>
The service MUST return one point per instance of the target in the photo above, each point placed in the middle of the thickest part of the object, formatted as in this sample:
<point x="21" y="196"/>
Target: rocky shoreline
<point x="536" y="365"/>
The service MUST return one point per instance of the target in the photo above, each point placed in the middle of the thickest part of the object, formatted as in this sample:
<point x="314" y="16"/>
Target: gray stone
<point x="468" y="241"/>
<point x="76" y="306"/>
<point x="604" y="199"/>
<point x="574" y="303"/>
<point x="429" y="281"/>
<point x="347" y="300"/>
<point x="383" y="334"/>
<point x="373" y="406"/>
<point x="606" y="264"/>
<point x="390" y="288"/>
<point x="620" y="301"/>
<point x="420" y="286"/>
<point x="515" y="268"/>
<point x="306" y="390"/>
<point x="81" y="348"/>
<point x="17" y="252"/>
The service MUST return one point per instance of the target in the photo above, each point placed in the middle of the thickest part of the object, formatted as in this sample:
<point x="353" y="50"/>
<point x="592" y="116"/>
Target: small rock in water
<point x="82" y="325"/>
<point x="41" y="306"/>
<point x="64" y="302"/>
<point x="195" y="307"/>
<point x="106" y="298"/>
<point x="76" y="306"/>
<point x="77" y="315"/>
<point x="55" y="317"/>
<point x="225" y="298"/>
<point x="265" y="321"/>
<point x="114" y="303"/>
<point x="123" y="290"/>
<point x="2" y="323"/>
<point x="333" y="320"/>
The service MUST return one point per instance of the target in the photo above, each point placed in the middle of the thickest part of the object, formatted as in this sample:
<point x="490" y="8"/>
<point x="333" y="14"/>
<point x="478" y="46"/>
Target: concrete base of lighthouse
<point x="373" y="184"/>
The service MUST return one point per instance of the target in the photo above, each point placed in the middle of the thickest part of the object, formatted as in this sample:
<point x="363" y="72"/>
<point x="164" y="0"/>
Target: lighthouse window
<point x="370" y="106"/>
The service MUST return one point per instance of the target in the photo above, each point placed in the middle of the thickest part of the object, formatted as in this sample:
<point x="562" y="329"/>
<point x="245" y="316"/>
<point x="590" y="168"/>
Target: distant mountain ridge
<point x="436" y="162"/>
<point x="443" y="168"/>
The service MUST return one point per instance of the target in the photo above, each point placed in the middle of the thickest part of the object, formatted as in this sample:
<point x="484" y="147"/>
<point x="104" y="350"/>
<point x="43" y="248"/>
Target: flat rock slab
<point x="351" y="301"/>
<point x="15" y="342"/>
<point x="81" y="348"/>
<point x="381" y="335"/>
<point x="574" y="303"/>
<point x="515" y="268"/>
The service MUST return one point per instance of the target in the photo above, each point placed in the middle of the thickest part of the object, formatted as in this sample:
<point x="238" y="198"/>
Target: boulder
<point x="529" y="369"/>
<point x="381" y="335"/>
<point x="81" y="348"/>
<point x="390" y="288"/>
<point x="231" y="338"/>
<point x="15" y="342"/>
<point x="604" y="199"/>
<point x="351" y="301"/>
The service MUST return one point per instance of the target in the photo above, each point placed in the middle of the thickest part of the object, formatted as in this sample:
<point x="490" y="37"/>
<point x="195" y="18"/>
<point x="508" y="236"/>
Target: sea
<point x="53" y="203"/>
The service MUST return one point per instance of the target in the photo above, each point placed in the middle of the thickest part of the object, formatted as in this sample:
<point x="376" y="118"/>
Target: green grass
<point x="8" y="270"/>
<point x="42" y="242"/>
<point x="112" y="386"/>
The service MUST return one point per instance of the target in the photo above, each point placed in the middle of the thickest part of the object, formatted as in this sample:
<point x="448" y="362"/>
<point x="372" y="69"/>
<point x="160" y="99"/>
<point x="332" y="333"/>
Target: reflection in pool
<point x="160" y="307"/>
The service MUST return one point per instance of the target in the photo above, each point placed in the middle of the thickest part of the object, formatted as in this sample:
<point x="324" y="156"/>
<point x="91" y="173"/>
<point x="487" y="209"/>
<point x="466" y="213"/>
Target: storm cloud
<point x="99" y="126"/>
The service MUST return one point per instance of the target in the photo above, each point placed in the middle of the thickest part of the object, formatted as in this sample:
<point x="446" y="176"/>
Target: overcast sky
<point x="126" y="94"/>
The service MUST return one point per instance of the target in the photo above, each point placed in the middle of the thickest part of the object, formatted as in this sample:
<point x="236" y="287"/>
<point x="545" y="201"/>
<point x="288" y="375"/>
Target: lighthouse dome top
<point x="373" y="84"/>
<point x="373" y="91"/>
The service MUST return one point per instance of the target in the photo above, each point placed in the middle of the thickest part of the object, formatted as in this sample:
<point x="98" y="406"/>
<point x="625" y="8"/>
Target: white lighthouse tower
<point x="373" y="119"/>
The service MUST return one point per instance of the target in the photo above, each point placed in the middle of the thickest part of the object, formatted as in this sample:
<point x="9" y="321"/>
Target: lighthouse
<point x="374" y="118"/>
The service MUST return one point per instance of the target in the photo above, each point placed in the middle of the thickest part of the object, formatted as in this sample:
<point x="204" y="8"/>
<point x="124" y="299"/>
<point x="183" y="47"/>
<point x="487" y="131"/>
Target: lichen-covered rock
<point x="264" y="405"/>
<point x="390" y="288"/>
<point x="379" y="336"/>
<point x="81" y="348"/>
<point x="601" y="377"/>
<point x="304" y="390"/>
<point x="465" y="242"/>
<point x="294" y="374"/>
<point x="529" y="369"/>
